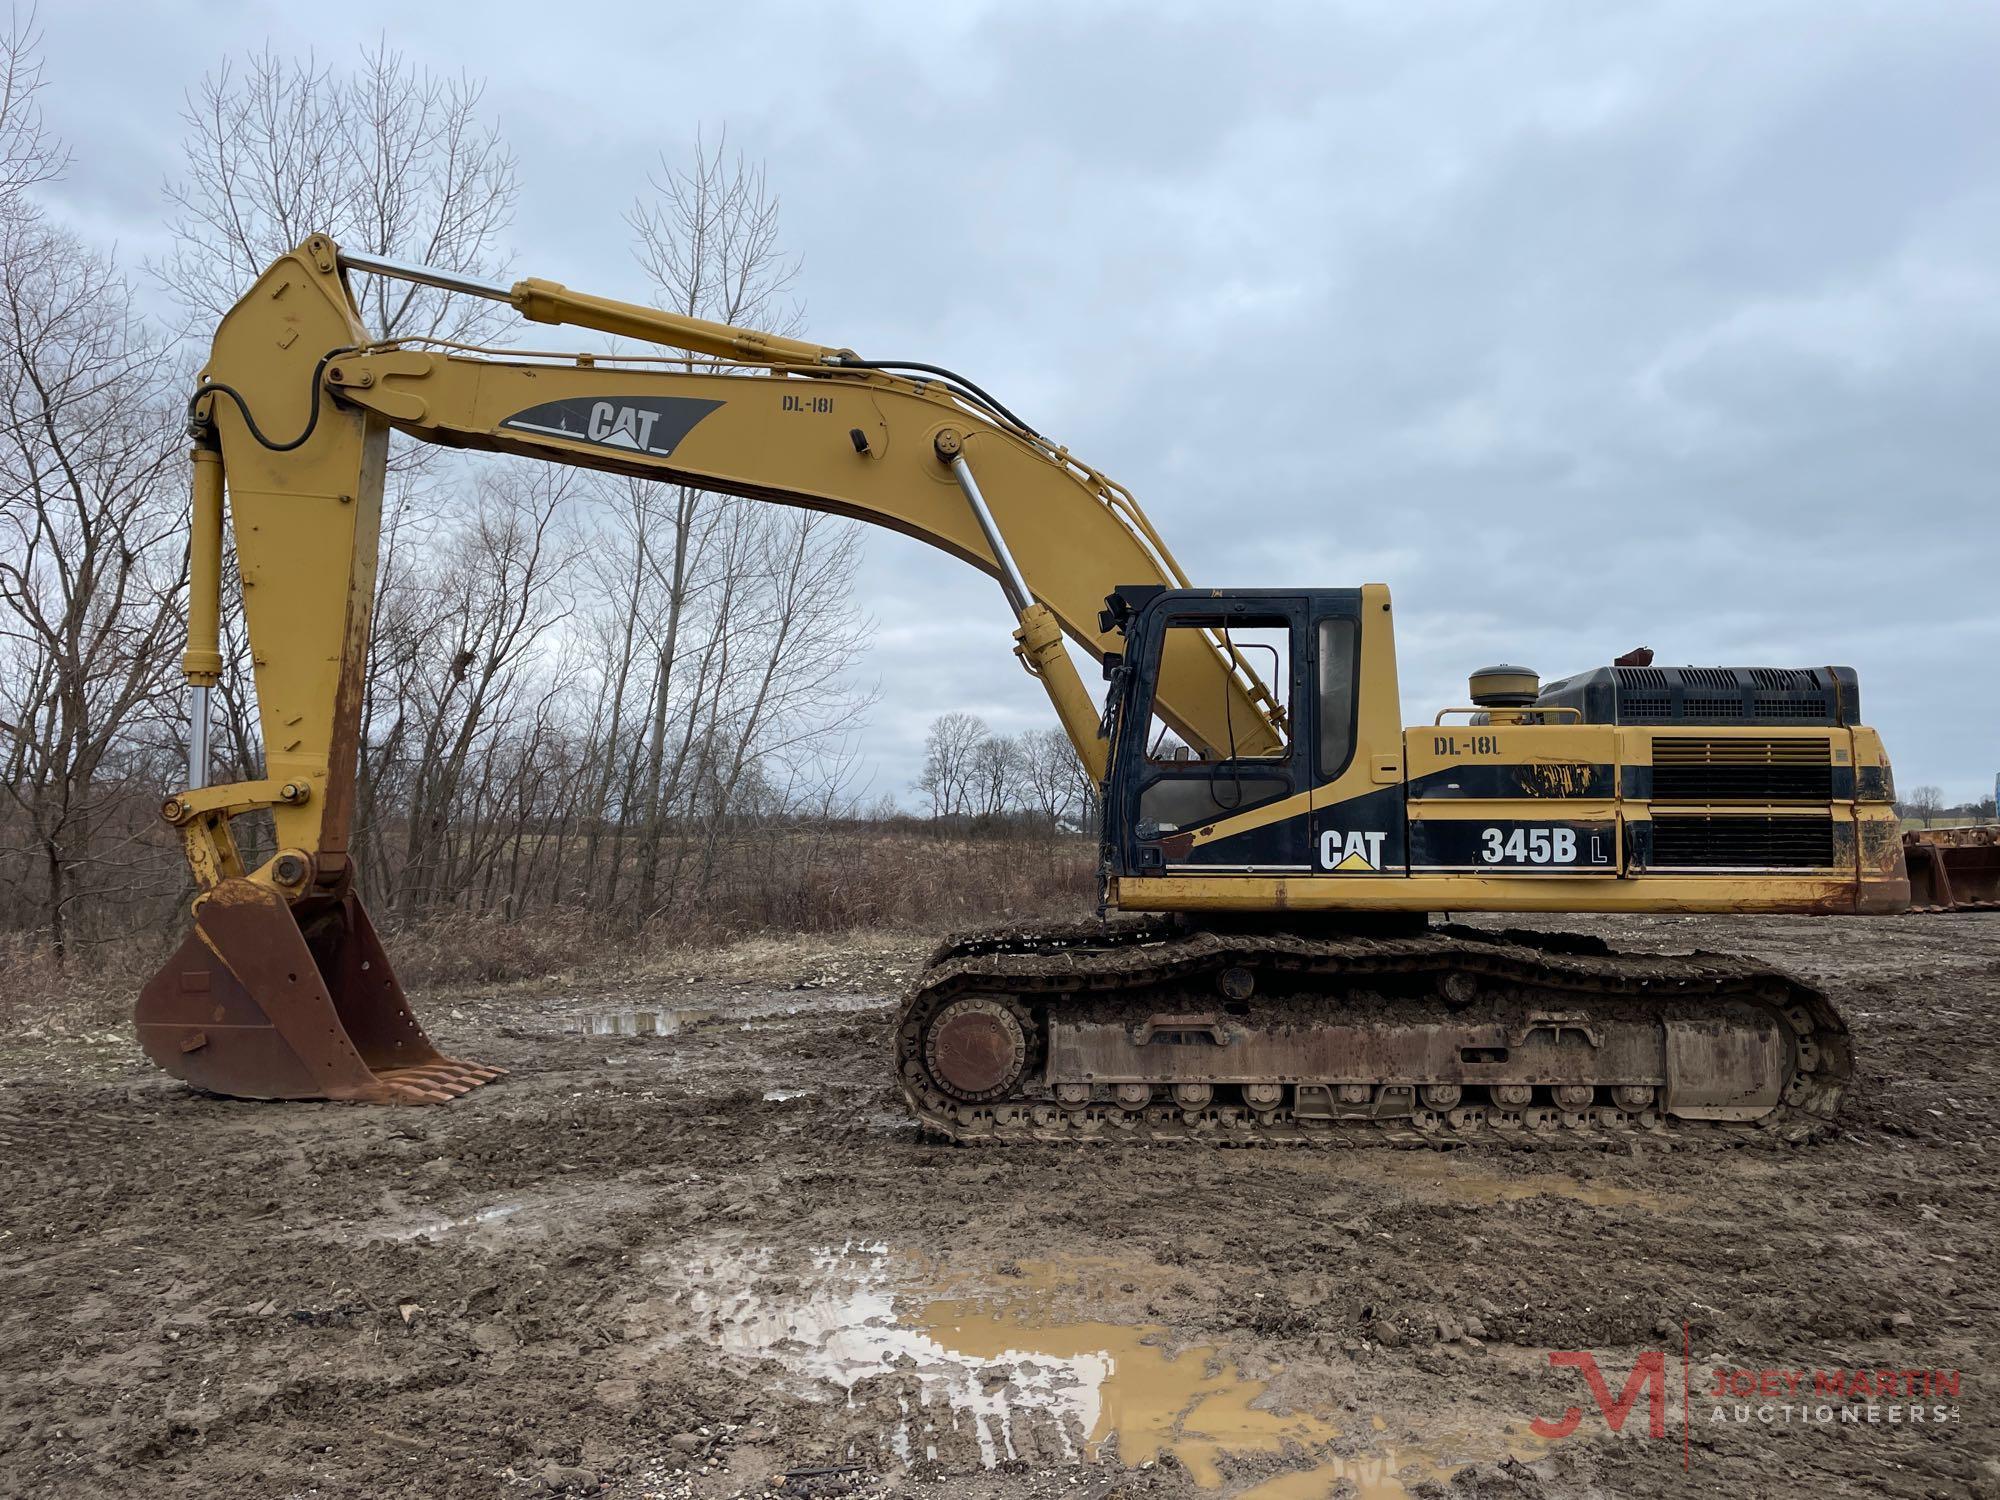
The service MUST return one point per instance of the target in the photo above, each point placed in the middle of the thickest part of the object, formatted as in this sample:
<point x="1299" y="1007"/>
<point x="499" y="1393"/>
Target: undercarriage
<point x="1150" y="1032"/>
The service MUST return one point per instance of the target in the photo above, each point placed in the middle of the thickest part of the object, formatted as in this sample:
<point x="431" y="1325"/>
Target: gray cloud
<point x="1580" y="326"/>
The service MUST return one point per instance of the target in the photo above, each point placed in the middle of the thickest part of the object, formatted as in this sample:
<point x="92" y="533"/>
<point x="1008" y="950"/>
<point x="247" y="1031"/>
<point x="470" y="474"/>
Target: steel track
<point x="1120" y="970"/>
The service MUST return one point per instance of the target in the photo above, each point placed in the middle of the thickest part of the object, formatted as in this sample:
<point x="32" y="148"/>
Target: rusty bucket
<point x="269" y="1001"/>
<point x="1954" y="869"/>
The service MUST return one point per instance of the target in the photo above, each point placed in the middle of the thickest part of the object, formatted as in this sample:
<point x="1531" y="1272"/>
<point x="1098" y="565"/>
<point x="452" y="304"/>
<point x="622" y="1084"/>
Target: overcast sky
<point x="1582" y="326"/>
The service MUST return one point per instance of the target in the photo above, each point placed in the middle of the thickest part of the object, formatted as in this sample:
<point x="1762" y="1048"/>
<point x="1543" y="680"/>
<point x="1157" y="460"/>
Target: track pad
<point x="1731" y="1067"/>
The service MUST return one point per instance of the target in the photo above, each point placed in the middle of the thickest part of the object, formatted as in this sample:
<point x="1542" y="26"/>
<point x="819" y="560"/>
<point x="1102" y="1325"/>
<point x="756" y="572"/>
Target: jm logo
<point x="1649" y="1374"/>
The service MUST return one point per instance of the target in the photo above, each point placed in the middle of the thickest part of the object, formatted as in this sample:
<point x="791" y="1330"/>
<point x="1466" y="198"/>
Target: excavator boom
<point x="284" y="990"/>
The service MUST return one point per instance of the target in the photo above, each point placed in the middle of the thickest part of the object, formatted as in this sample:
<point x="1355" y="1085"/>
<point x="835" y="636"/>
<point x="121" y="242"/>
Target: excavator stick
<point x="1954" y="869"/>
<point x="265" y="1000"/>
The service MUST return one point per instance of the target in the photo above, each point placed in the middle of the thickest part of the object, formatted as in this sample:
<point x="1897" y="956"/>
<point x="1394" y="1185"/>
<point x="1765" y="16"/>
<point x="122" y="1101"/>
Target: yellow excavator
<point x="1280" y="838"/>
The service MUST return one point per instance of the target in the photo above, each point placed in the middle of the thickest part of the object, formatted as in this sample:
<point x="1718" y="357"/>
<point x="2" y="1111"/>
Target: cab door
<point x="1358" y="816"/>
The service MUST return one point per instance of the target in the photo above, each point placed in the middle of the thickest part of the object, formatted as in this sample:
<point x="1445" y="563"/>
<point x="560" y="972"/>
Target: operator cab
<point x="1321" y="733"/>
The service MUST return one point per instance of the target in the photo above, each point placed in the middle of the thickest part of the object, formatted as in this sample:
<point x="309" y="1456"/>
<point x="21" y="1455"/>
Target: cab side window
<point x="1339" y="642"/>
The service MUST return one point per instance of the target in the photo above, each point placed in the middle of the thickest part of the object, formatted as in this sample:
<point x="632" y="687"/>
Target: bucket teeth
<point x="265" y="1000"/>
<point x="433" y="1081"/>
<point x="436" y="1083"/>
<point x="437" y="1072"/>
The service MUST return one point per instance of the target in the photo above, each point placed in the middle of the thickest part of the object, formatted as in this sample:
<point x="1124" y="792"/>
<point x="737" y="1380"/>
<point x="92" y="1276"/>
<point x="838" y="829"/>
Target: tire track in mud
<point x="231" y="1313"/>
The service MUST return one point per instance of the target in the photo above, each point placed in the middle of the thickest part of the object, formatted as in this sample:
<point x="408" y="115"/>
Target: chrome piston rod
<point x="197" y="738"/>
<point x="403" y="270"/>
<point x="1011" y="581"/>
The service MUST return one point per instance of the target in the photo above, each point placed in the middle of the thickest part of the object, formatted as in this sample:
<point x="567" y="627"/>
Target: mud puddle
<point x="1441" y="1175"/>
<point x="491" y="1226"/>
<point x="653" y="1020"/>
<point x="434" y="1226"/>
<point x="641" y="1022"/>
<point x="1021" y="1362"/>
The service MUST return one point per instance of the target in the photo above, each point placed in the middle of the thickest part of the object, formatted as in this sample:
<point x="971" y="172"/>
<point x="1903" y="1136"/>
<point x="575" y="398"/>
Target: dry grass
<point x="840" y="881"/>
<point x="849" y="903"/>
<point x="815" y="886"/>
<point x="91" y="991"/>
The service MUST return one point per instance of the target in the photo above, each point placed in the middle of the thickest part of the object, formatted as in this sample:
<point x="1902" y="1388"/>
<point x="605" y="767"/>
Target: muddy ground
<point x="710" y="1261"/>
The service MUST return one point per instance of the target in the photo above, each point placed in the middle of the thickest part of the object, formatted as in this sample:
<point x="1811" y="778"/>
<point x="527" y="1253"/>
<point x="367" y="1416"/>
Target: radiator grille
<point x="1739" y="842"/>
<point x="1802" y="710"/>
<point x="1709" y="695"/>
<point x="1700" y="708"/>
<point x="1691" y="768"/>
<point x="1646" y="708"/>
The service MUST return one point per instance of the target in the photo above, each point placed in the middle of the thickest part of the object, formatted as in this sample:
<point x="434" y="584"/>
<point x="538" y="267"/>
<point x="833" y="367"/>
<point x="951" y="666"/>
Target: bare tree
<point x="90" y="564"/>
<point x="498" y="594"/>
<point x="514" y="754"/>
<point x="706" y="237"/>
<point x="387" y="157"/>
<point x="681" y="574"/>
<point x="765" y="591"/>
<point x="29" y="152"/>
<point x="803" y="639"/>
<point x="1055" y="784"/>
<point x="1925" y="802"/>
<point x="951" y="748"/>
<point x="1086" y="794"/>
<point x="617" y="566"/>
<point x="997" y="771"/>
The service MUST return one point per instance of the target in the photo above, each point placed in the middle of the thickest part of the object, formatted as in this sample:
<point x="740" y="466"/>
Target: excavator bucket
<point x="1954" y="869"/>
<point x="268" y="1001"/>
